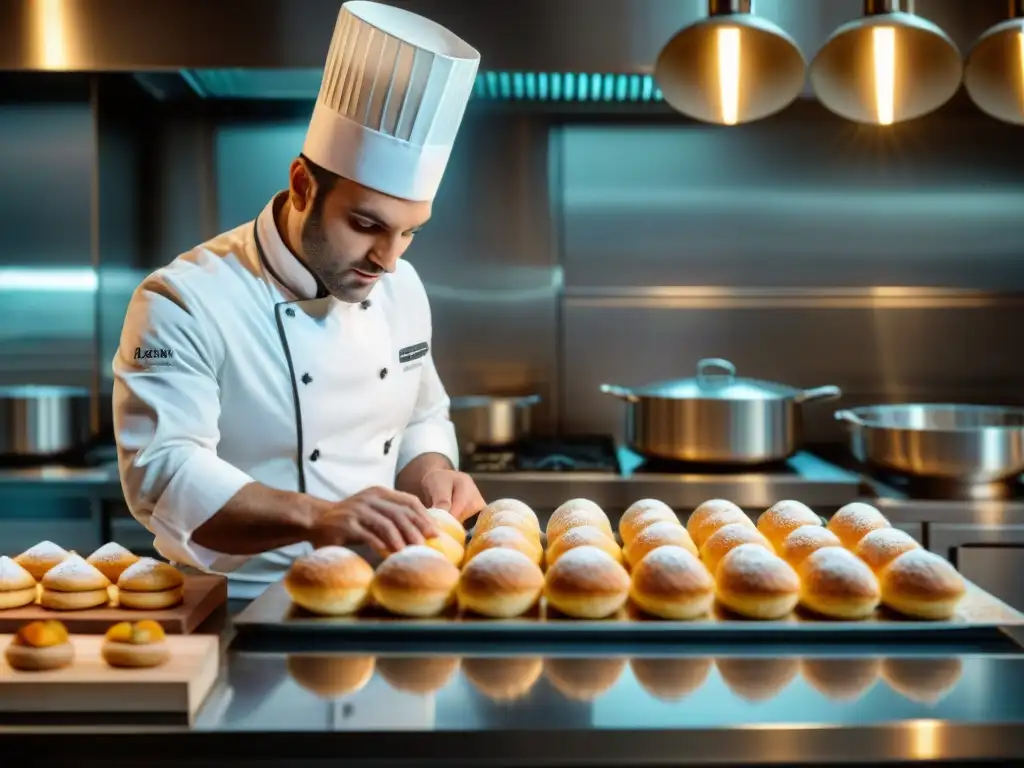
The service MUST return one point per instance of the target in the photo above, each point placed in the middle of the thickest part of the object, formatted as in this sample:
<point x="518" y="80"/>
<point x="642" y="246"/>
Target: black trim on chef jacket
<point x="321" y="293"/>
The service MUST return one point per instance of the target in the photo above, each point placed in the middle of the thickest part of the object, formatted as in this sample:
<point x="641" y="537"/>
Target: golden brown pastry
<point x="507" y="518"/>
<point x="330" y="675"/>
<point x="575" y="513"/>
<point x="926" y="680"/>
<point x="111" y="560"/>
<point x="150" y="585"/>
<point x="843" y="678"/>
<point x="753" y="582"/>
<point x="883" y="545"/>
<point x="922" y="585"/>
<point x="705" y="510"/>
<point x="40" y="646"/>
<point x="758" y="679"/>
<point x="583" y="536"/>
<point x="74" y="585"/>
<point x="512" y="505"/>
<point x="726" y="539"/>
<point x="453" y="552"/>
<point x="583" y="679"/>
<point x="330" y="581"/>
<point x="17" y="587"/>
<point x="40" y="558"/>
<point x="448" y="524"/>
<point x="500" y="583"/>
<point x="503" y="679"/>
<point x="715" y="519"/>
<point x="805" y="540"/>
<point x="641" y="514"/>
<point x="141" y="644"/>
<point x="784" y="517"/>
<point x="415" y="581"/>
<point x="421" y="675"/>
<point x="673" y="678"/>
<point x="836" y="583"/>
<point x="855" y="521"/>
<point x="671" y="583"/>
<point x="506" y="538"/>
<point x="587" y="583"/>
<point x="663" y="534"/>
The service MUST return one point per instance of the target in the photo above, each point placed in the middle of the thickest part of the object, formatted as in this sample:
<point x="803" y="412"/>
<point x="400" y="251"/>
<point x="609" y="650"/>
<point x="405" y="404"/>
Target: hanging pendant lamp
<point x="886" y="67"/>
<point x="731" y="67"/>
<point x="994" y="72"/>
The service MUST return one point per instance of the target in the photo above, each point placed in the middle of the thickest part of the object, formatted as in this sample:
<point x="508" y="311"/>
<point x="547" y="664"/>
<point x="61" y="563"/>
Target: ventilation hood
<point x="582" y="50"/>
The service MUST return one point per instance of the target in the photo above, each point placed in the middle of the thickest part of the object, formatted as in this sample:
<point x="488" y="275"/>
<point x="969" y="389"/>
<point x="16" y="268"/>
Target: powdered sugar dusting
<point x="666" y="532"/>
<point x="512" y="505"/>
<point x="858" y="519"/>
<point x="789" y="514"/>
<point x="886" y="544"/>
<point x="328" y="556"/>
<point x="109" y="553"/>
<point x="73" y="567"/>
<point x="582" y="535"/>
<point x="920" y="572"/>
<point x="590" y="568"/>
<point x="500" y="562"/>
<point x="835" y="567"/>
<point x="413" y="554"/>
<point x="733" y="535"/>
<point x="45" y="549"/>
<point x="578" y="504"/>
<point x="809" y="536"/>
<point x="758" y="568"/>
<point x="638" y="508"/>
<point x="11" y="572"/>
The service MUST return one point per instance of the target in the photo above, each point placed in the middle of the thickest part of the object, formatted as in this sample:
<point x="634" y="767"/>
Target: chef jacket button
<point x="387" y="447"/>
<point x="315" y="454"/>
<point x="306" y="378"/>
<point x="365" y="304"/>
<point x="383" y="373"/>
<point x="290" y="312"/>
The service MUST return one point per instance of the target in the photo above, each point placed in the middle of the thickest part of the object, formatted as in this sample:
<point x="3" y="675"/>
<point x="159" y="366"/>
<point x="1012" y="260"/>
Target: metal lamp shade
<point x="994" y="72"/>
<point x="926" y="69"/>
<point x="760" y="73"/>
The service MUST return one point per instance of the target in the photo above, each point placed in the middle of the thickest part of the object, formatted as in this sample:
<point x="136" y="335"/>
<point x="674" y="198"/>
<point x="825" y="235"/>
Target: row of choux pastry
<point x="41" y="646"/>
<point x="506" y="679"/>
<point x="65" y="581"/>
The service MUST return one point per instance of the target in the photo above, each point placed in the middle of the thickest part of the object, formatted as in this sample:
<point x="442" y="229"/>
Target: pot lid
<point x="716" y="379"/>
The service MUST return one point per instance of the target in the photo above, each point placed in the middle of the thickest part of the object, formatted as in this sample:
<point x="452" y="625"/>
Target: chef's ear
<point x="301" y="185"/>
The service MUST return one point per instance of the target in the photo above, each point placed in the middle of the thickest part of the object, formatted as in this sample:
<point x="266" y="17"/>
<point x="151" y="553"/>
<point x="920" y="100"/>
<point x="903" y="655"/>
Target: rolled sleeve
<point x="166" y="414"/>
<point x="430" y="430"/>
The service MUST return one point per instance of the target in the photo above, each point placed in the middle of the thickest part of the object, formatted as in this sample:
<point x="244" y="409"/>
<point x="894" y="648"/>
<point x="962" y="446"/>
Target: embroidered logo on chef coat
<point x="153" y="356"/>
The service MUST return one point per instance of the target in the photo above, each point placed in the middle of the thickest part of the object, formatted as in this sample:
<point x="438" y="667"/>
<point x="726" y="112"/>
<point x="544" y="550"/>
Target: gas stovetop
<point x="571" y="454"/>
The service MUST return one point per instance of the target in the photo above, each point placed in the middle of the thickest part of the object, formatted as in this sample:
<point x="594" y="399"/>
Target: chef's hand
<point x="453" y="491"/>
<point x="381" y="518"/>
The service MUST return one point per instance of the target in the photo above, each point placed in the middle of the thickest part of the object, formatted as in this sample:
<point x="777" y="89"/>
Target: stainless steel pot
<point x="716" y="417"/>
<point x="491" y="420"/>
<point x="964" y="443"/>
<point x="43" y="421"/>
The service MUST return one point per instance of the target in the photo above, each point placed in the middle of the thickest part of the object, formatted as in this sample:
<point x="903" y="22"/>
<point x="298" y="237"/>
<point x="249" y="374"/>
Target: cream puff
<point x="726" y="539"/>
<point x="150" y="585"/>
<point x="74" y="585"/>
<point x="17" y="587"/>
<point x="641" y="514"/>
<point x="855" y="521"/>
<point x="586" y="583"/>
<point x="40" y="646"/>
<point x="138" y="645"/>
<point x="805" y="540"/>
<point x="583" y="536"/>
<point x="500" y="583"/>
<point x="111" y="560"/>
<point x="753" y="582"/>
<point x="883" y="545"/>
<point x="330" y="581"/>
<point x="508" y="538"/>
<point x="922" y="585"/>
<point x="784" y="517"/>
<point x="837" y="584"/>
<point x="574" y="513"/>
<point x="712" y="518"/>
<point x="449" y="547"/>
<point x="671" y="583"/>
<point x="507" y="518"/>
<point x="448" y="524"/>
<point x="509" y="505"/>
<point x="416" y="581"/>
<point x="663" y="534"/>
<point x="42" y="557"/>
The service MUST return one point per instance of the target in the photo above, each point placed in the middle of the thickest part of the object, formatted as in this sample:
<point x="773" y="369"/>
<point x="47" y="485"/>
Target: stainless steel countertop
<point x="782" y="706"/>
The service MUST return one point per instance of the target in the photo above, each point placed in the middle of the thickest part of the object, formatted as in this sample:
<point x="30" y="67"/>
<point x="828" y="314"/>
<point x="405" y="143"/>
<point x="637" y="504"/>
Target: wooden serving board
<point x="203" y="595"/>
<point x="90" y="685"/>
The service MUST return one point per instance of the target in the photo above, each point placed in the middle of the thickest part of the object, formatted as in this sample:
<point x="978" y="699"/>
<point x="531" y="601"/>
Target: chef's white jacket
<point x="231" y="369"/>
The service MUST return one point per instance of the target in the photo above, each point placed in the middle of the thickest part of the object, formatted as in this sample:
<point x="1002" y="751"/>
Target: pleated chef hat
<point x="393" y="94"/>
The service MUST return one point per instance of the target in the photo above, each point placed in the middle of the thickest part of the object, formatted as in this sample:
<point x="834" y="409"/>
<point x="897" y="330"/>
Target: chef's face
<point x="351" y="235"/>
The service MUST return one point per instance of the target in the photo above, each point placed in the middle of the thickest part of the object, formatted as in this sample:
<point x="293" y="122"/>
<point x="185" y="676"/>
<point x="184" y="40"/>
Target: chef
<point x="274" y="388"/>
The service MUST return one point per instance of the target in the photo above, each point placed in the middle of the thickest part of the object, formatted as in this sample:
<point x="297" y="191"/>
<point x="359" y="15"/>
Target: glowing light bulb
<point x="49" y="24"/>
<point x="729" y="73"/>
<point x="884" y="49"/>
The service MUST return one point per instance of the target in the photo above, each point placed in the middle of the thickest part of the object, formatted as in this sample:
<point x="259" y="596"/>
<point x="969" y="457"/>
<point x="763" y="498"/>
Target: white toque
<point x="393" y="94"/>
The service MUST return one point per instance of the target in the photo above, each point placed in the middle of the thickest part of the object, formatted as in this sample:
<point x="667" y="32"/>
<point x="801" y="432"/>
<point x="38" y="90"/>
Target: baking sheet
<point x="274" y="613"/>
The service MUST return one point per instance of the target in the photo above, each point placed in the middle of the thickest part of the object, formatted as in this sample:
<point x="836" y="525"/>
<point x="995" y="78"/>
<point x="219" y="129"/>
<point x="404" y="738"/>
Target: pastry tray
<point x="273" y="615"/>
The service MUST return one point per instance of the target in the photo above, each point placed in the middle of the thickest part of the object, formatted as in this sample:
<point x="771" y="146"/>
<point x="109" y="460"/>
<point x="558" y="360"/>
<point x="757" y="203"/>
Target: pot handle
<point x="620" y="392"/>
<point x="819" y="393"/>
<point x="704" y="370"/>
<point x="848" y="416"/>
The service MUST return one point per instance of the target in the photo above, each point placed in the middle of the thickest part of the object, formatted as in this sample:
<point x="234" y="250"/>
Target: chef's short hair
<point x="325" y="180"/>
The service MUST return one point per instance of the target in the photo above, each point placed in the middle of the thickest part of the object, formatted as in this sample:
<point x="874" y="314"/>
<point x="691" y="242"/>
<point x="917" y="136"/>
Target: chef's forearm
<point x="410" y="479"/>
<point x="259" y="519"/>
